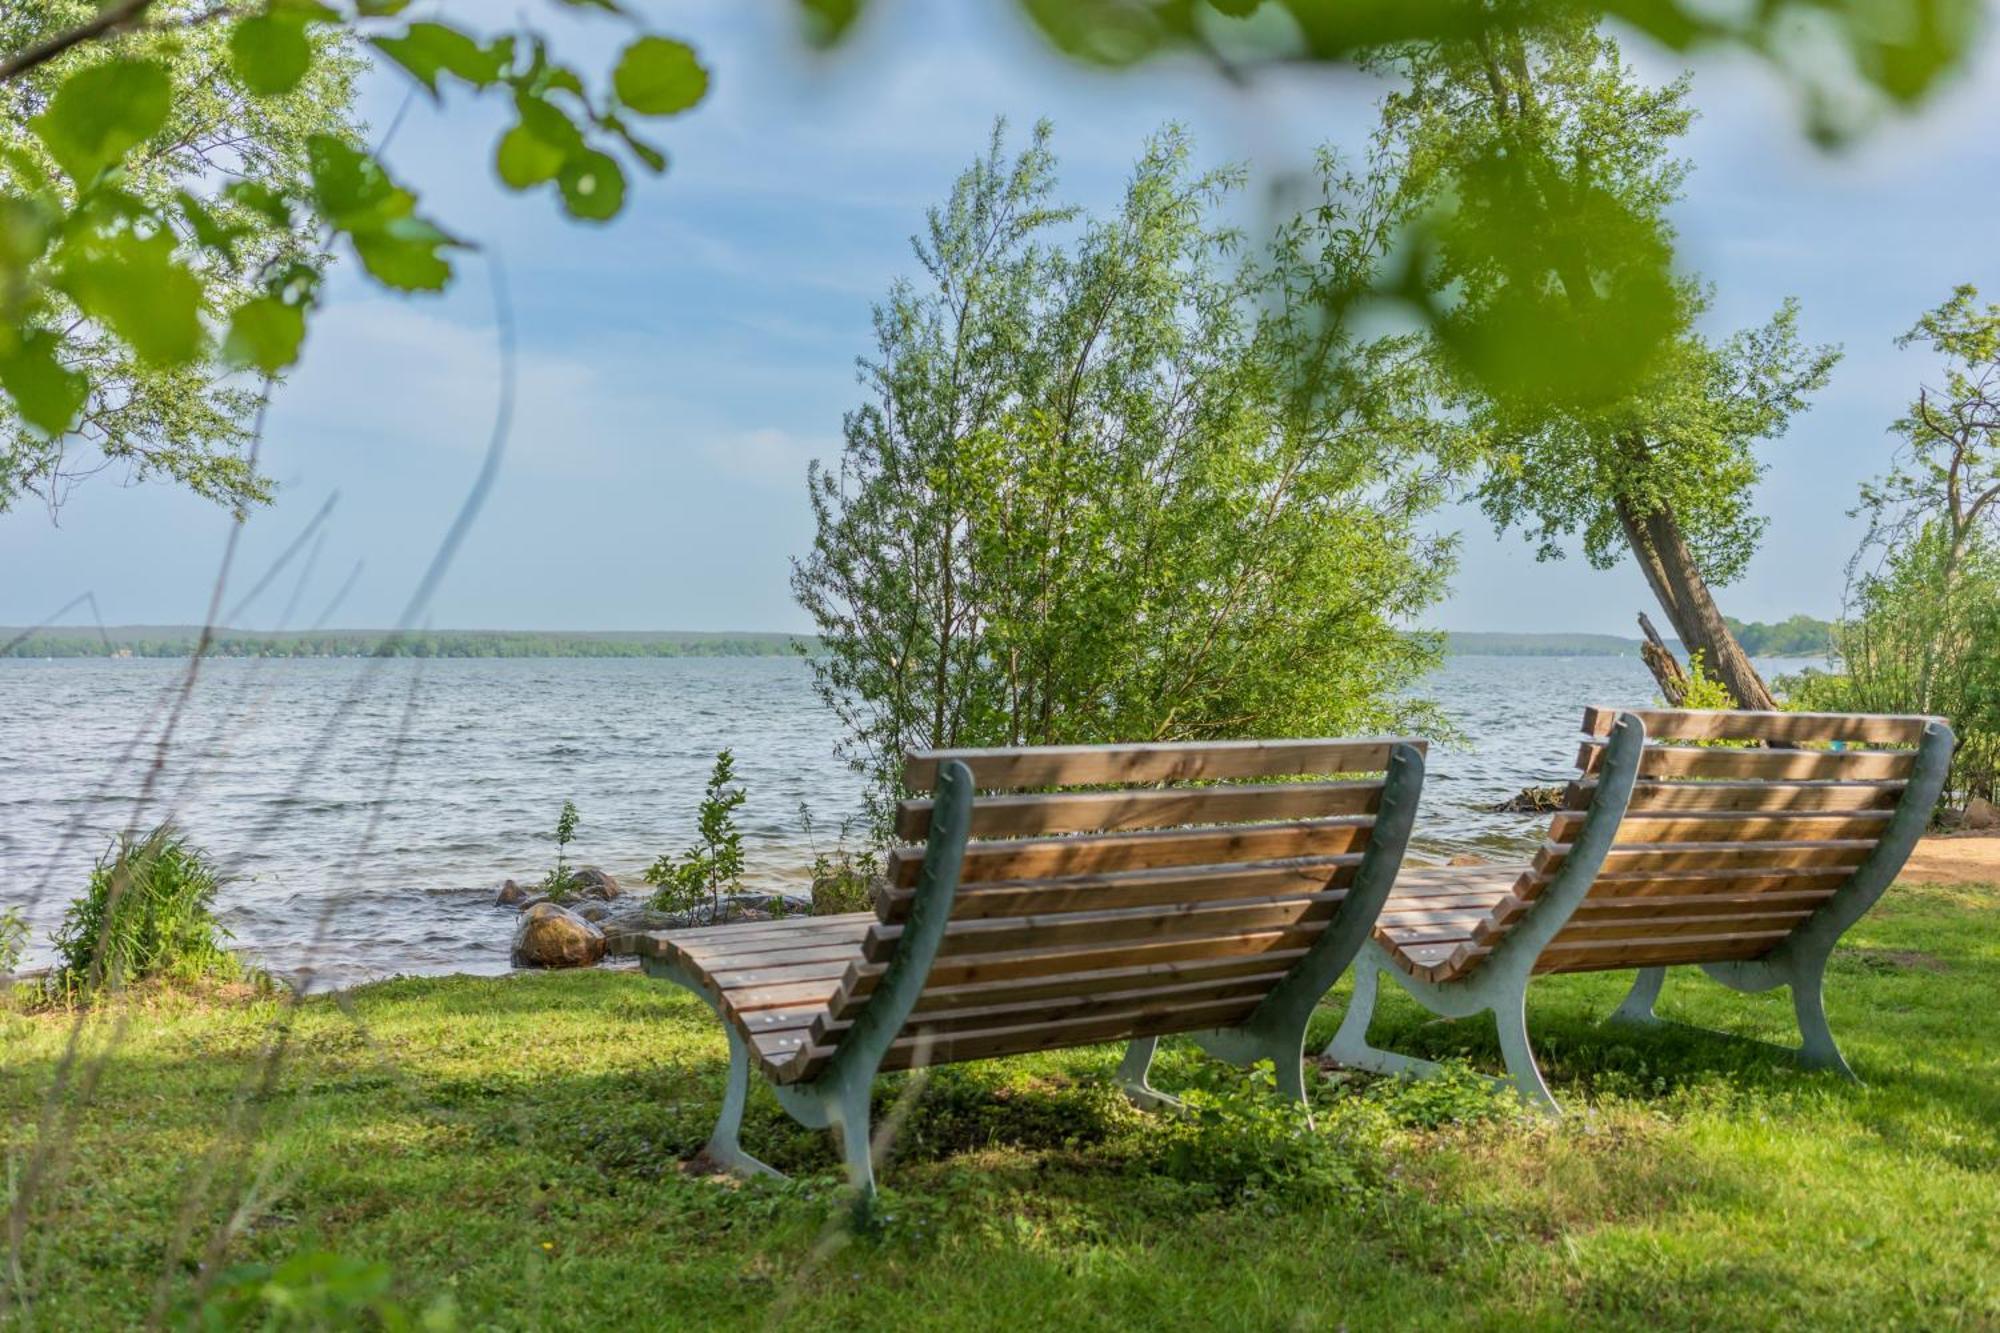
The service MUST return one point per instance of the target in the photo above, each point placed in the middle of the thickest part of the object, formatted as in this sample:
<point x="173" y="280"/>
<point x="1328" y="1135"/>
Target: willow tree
<point x="1603" y="417"/>
<point x="1097" y="492"/>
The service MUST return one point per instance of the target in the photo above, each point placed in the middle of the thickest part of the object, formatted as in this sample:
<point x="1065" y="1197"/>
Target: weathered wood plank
<point x="1040" y="858"/>
<point x="1703" y="762"/>
<point x="1137" y="888"/>
<point x="1718" y="826"/>
<point x="1786" y="728"/>
<point x="1110" y="811"/>
<point x="1114" y="926"/>
<point x="1183" y="761"/>
<point x="1749" y="795"/>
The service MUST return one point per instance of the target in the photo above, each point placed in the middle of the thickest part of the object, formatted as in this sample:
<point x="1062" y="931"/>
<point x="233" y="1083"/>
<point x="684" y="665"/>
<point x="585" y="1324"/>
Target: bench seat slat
<point x="1034" y="858"/>
<point x="1184" y="761"/>
<point x="1702" y="762"/>
<point x="1786" y="728"/>
<point x="1112" y="811"/>
<point x="1137" y="888"/>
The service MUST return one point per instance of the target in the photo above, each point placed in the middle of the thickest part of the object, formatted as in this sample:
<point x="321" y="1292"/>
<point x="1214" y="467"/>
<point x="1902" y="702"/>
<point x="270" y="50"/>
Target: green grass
<point x="511" y="1148"/>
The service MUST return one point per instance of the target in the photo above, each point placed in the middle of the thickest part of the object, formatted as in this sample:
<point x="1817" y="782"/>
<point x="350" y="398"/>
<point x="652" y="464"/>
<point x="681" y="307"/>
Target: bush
<point x="843" y="880"/>
<point x="13" y="938"/>
<point x="557" y="884"/>
<point x="715" y="861"/>
<point x="146" y="915"/>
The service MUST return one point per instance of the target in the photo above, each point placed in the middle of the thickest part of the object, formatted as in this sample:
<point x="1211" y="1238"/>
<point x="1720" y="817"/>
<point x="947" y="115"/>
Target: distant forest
<point x="1800" y="636"/>
<point x="179" y="641"/>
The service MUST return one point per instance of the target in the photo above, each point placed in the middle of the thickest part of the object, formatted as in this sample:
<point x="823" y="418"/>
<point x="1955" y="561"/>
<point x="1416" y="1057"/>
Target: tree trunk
<point x="1670" y="570"/>
<point x="1666" y="668"/>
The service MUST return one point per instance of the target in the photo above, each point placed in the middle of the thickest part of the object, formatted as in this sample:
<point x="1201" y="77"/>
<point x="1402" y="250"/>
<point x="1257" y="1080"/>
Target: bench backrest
<point x="1139" y="905"/>
<point x="1740" y="829"/>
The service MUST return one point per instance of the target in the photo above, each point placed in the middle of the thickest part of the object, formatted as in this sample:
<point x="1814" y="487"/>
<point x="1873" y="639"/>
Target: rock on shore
<point x="553" y="936"/>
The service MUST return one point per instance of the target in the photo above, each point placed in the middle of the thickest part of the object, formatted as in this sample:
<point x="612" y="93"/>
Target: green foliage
<point x="147" y="914"/>
<point x="1237" y="1137"/>
<point x="1704" y="690"/>
<point x="1795" y="636"/>
<point x="1519" y="208"/>
<point x="1922" y="631"/>
<point x="13" y="938"/>
<point x="1118" y="480"/>
<point x="843" y="878"/>
<point x="714" y="863"/>
<point x="559" y="883"/>
<point x="172" y="183"/>
<point x="314" y="1289"/>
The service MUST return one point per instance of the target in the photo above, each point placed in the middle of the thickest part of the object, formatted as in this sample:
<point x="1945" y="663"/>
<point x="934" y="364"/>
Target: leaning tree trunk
<point x="1660" y="660"/>
<point x="1671" y="572"/>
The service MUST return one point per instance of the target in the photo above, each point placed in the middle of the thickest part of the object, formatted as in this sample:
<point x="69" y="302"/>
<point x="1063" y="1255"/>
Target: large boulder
<point x="593" y="884"/>
<point x="1981" y="813"/>
<point x="553" y="936"/>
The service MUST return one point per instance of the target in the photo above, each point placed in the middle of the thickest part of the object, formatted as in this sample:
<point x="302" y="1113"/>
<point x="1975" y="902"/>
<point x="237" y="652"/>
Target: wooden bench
<point x="1032" y="919"/>
<point x="1747" y="860"/>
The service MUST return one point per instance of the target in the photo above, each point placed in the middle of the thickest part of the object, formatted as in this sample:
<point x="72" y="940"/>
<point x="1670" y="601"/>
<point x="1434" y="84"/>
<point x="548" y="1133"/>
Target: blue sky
<point x="679" y="367"/>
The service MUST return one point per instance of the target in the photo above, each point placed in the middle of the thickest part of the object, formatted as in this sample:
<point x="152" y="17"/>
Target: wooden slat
<point x="1109" y="811"/>
<point x="976" y="969"/>
<point x="1666" y="906"/>
<point x="1187" y="761"/>
<point x="1717" y="857"/>
<point x="1704" y="762"/>
<point x="1007" y="1010"/>
<point x="945" y="999"/>
<point x="1650" y="929"/>
<point x="1031" y="858"/>
<point x="1724" y="880"/>
<point x="1718" y="826"/>
<point x="1137" y="888"/>
<point x="1113" y="927"/>
<point x="1721" y="946"/>
<point x="1786" y="728"/>
<point x="1749" y="795"/>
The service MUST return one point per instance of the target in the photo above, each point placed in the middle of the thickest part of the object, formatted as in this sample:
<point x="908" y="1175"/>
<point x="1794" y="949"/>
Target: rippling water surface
<point x="368" y="809"/>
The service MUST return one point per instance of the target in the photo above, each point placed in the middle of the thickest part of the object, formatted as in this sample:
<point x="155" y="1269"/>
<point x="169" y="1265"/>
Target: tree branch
<point x="123" y="14"/>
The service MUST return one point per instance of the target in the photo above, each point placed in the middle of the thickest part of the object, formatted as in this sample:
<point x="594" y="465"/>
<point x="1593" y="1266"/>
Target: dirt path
<point x="1963" y="858"/>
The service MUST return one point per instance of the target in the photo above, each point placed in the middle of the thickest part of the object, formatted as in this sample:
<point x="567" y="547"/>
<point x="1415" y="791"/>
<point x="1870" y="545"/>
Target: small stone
<point x="553" y="936"/>
<point x="512" y="895"/>
<point x="593" y="911"/>
<point x="1531" y="801"/>
<point x="1468" y="859"/>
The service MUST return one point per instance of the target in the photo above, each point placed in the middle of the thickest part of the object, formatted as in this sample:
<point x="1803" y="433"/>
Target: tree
<point x="715" y="861"/>
<point x="1558" y="164"/>
<point x="177" y="174"/>
<point x="177" y="420"/>
<point x="1922" y="629"/>
<point x="1098" y="491"/>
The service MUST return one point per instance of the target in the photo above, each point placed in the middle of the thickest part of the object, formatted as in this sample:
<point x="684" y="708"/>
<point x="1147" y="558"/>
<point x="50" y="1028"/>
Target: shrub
<point x="1237" y="1137"/>
<point x="13" y="938"/>
<point x="843" y="880"/>
<point x="146" y="915"/>
<point x="559" y="884"/>
<point x="715" y="861"/>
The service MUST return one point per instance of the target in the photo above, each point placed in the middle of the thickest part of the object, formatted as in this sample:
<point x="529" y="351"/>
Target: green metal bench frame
<point x="1499" y="985"/>
<point x="837" y="1097"/>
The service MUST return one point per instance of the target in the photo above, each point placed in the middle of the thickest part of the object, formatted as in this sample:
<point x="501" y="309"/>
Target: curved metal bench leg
<point x="1639" y="1001"/>
<point x="1350" y="1046"/>
<point x="1817" y="1048"/>
<point x="847" y="1111"/>
<point x="1511" y="1017"/>
<point x="1131" y="1076"/>
<point x="725" y="1146"/>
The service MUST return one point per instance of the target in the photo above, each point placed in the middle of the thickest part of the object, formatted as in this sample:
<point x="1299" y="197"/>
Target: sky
<point x="679" y="367"/>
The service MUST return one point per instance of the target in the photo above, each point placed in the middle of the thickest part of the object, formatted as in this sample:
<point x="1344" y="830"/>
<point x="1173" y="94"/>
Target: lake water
<point x="367" y="810"/>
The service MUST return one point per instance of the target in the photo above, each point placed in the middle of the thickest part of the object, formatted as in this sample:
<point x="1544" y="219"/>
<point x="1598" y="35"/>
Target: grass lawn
<point x="506" y="1153"/>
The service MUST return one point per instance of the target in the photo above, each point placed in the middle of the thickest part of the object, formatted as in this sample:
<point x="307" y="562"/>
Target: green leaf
<point x="45" y="392"/>
<point x="658" y="76"/>
<point x="405" y="254"/>
<point x="380" y="8"/>
<point x="265" y="333"/>
<point x="209" y="231"/>
<point x="549" y="123"/>
<point x="428" y="49"/>
<point x="593" y="186"/>
<point x="525" y="160"/>
<point x="100" y="113"/>
<point x="269" y="52"/>
<point x="655" y="160"/>
<point x="265" y="200"/>
<point x="827" y="21"/>
<point x="136" y="288"/>
<point x="398" y="248"/>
